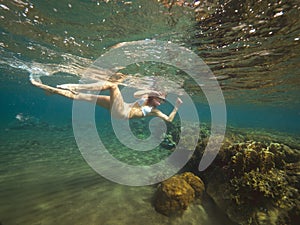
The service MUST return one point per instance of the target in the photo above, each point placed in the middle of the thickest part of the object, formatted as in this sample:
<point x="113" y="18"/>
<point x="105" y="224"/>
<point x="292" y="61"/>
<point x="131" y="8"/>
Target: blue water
<point x="32" y="101"/>
<point x="45" y="180"/>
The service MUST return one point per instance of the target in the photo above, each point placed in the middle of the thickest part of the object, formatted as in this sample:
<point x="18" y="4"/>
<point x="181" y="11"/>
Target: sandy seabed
<point x="45" y="180"/>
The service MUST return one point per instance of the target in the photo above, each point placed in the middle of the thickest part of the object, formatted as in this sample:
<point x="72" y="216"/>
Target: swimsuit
<point x="145" y="108"/>
<point x="125" y="112"/>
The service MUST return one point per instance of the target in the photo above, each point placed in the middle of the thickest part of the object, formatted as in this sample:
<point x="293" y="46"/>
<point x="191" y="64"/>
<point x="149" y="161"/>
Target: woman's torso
<point x="139" y="109"/>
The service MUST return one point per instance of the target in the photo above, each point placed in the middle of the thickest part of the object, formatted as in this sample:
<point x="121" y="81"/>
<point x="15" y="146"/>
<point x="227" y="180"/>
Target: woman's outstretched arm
<point x="169" y="118"/>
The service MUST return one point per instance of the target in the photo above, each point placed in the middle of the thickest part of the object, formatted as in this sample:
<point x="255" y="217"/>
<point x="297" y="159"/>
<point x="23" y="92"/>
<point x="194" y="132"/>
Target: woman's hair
<point x="151" y="98"/>
<point x="150" y="93"/>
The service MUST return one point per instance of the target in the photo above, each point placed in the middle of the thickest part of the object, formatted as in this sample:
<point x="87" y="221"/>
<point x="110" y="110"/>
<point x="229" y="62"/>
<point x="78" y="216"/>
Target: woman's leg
<point x="117" y="105"/>
<point x="101" y="100"/>
<point x="114" y="102"/>
<point x="82" y="87"/>
<point x="98" y="86"/>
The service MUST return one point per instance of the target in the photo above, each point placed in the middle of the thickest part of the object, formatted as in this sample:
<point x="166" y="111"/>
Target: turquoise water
<point x="253" y="50"/>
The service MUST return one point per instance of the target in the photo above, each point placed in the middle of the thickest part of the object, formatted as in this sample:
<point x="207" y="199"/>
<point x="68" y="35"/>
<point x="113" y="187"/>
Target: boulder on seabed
<point x="174" y="195"/>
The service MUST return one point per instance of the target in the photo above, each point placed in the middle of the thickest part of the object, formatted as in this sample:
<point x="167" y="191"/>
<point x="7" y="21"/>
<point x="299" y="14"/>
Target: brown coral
<point x="195" y="182"/>
<point x="251" y="182"/>
<point x="175" y="194"/>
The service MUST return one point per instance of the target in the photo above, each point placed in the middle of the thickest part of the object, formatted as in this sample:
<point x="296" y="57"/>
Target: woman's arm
<point x="158" y="113"/>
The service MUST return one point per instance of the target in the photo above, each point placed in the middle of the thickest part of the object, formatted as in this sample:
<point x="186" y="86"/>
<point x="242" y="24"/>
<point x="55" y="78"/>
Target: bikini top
<point x="145" y="108"/>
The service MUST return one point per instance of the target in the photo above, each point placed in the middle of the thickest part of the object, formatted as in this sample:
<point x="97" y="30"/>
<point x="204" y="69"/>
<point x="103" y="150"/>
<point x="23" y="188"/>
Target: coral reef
<point x="168" y="142"/>
<point x="254" y="179"/>
<point x="195" y="182"/>
<point x="174" y="195"/>
<point x="250" y="181"/>
<point x="186" y="136"/>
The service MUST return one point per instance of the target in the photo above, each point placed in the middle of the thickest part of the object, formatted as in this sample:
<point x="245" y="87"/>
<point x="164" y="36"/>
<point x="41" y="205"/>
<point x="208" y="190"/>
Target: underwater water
<point x="252" y="49"/>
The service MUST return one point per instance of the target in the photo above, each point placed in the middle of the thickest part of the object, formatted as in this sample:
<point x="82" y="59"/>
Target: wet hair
<point x="151" y="98"/>
<point x="150" y="93"/>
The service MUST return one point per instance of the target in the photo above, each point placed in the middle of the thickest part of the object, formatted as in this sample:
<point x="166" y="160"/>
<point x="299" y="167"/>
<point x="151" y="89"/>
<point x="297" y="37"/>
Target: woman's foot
<point x="69" y="87"/>
<point x="35" y="82"/>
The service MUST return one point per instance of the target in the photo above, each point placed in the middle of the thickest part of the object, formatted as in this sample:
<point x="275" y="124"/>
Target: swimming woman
<point x="145" y="106"/>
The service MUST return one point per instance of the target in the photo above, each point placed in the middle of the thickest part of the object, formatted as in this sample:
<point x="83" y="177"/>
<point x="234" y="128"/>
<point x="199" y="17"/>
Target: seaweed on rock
<point x="174" y="195"/>
<point x="250" y="182"/>
<point x="253" y="182"/>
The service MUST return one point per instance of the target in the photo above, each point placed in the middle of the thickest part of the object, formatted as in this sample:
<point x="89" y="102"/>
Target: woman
<point x="145" y="106"/>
